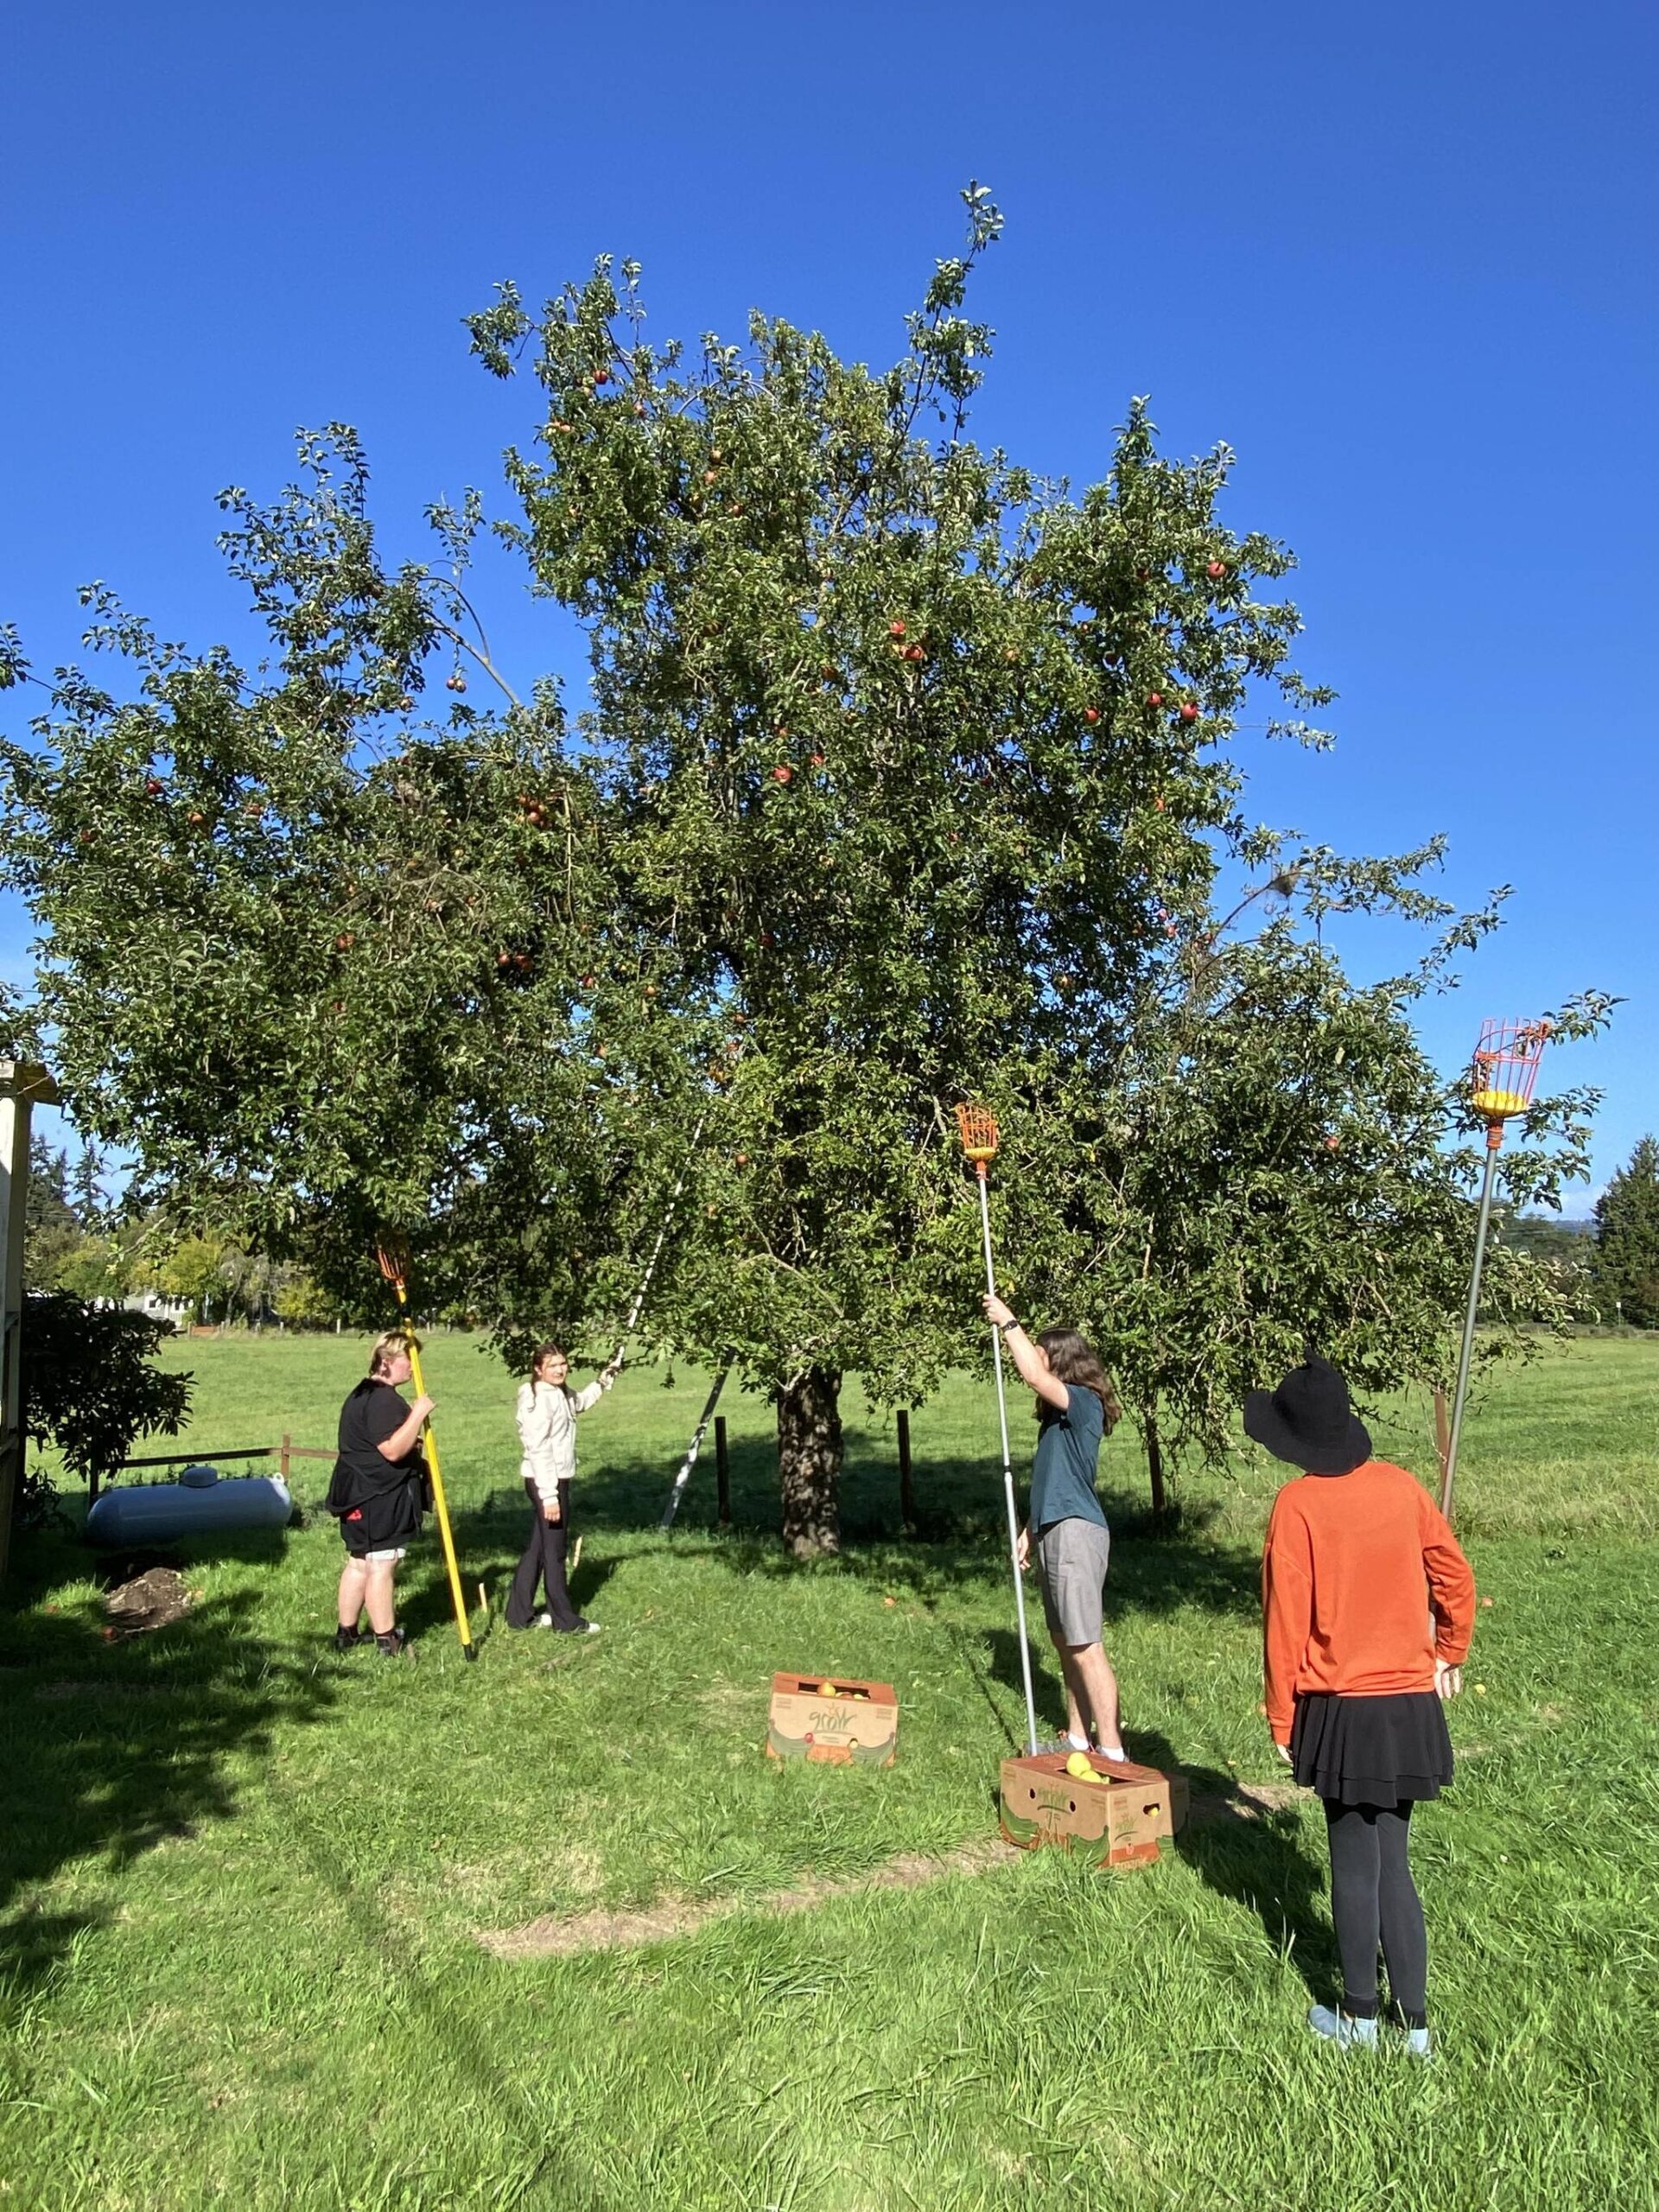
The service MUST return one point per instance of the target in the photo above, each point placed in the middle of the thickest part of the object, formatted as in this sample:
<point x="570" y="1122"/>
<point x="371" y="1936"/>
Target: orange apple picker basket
<point x="392" y="1253"/>
<point x="979" y="1134"/>
<point x="1501" y="1084"/>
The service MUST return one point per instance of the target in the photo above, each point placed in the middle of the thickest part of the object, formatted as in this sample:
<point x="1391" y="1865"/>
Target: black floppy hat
<point x="1308" y="1420"/>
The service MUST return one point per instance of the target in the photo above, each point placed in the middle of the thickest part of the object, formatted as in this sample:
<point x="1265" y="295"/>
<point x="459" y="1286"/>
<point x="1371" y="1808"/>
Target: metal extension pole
<point x="695" y="1447"/>
<point x="657" y="1249"/>
<point x="1007" y="1469"/>
<point x="1494" y="1138"/>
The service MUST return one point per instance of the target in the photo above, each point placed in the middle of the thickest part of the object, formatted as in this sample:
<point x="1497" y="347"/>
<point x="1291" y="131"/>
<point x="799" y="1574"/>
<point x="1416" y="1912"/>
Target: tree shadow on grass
<point x="113" y="1746"/>
<point x="1252" y="1851"/>
<point x="489" y="1540"/>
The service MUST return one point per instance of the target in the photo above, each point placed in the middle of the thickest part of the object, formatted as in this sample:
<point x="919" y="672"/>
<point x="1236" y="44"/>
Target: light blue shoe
<point x="1342" y="2029"/>
<point x="1418" y="2045"/>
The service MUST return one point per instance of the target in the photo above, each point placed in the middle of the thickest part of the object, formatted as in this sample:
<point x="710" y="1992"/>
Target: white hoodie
<point x="547" y="1429"/>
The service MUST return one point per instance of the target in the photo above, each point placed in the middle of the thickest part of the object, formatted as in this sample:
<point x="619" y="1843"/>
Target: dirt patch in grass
<point x="150" y="1600"/>
<point x="558" y="1936"/>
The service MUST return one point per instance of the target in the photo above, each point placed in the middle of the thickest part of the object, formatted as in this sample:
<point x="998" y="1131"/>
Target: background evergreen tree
<point x="1627" y="1238"/>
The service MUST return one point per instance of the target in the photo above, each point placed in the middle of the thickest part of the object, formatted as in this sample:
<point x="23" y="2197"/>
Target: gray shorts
<point x="1071" y="1558"/>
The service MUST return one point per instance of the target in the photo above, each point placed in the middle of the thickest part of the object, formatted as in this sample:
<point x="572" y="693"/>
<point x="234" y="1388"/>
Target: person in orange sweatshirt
<point x="1368" y="1606"/>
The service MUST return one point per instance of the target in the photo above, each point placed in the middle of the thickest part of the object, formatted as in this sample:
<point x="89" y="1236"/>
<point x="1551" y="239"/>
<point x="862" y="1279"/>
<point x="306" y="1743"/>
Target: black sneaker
<point x="348" y="1639"/>
<point x="391" y="1643"/>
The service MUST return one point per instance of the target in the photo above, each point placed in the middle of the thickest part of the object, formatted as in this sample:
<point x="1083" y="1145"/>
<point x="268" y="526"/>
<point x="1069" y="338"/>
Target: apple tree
<point x="317" y="962"/>
<point x="903" y="775"/>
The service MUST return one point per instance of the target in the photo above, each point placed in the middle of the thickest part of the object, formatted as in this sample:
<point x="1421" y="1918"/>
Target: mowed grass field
<point x="273" y="1922"/>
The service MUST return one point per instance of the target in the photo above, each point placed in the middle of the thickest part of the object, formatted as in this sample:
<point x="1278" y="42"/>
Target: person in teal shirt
<point x="1065" y="1523"/>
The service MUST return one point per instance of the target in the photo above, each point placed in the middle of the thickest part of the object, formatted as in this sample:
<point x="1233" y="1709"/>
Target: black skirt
<point x="1371" y="1750"/>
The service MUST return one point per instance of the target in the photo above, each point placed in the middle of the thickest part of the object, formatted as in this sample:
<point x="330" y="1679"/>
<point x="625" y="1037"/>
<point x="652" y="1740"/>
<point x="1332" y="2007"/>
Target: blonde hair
<point x="388" y="1348"/>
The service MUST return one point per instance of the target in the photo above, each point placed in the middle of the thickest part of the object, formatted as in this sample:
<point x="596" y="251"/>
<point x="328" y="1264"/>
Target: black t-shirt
<point x="387" y="1492"/>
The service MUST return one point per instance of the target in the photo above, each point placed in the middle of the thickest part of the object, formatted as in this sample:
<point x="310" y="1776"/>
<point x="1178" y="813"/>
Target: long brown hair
<point x="1074" y="1359"/>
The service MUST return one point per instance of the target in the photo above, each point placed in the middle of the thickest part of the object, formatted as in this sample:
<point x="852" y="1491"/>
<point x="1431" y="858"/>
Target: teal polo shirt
<point x="1068" y="1454"/>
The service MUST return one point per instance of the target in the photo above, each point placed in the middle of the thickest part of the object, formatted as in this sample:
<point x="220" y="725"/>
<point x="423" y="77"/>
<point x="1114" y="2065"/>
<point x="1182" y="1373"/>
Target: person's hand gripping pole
<point x="979" y="1140"/>
<point x="392" y="1253"/>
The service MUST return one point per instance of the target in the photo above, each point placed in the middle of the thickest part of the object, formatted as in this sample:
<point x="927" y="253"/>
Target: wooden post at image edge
<point x="722" y="1473"/>
<point x="906" y="1489"/>
<point x="1442" y="1434"/>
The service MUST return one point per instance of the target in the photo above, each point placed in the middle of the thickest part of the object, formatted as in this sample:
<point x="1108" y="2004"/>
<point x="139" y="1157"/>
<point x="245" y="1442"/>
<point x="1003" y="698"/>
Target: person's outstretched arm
<point x="1025" y="1355"/>
<point x="582" y="1401"/>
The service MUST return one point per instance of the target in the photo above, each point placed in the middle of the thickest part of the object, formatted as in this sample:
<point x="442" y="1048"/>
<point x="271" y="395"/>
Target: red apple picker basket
<point x="392" y="1253"/>
<point x="1501" y="1084"/>
<point x="979" y="1137"/>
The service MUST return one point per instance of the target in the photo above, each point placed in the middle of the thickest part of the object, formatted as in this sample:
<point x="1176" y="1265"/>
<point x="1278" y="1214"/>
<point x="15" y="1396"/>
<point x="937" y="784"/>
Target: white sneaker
<point x="543" y="1620"/>
<point x="1342" y="2028"/>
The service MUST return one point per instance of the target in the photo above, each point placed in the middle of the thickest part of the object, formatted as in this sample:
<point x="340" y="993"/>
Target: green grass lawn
<point x="244" y="1884"/>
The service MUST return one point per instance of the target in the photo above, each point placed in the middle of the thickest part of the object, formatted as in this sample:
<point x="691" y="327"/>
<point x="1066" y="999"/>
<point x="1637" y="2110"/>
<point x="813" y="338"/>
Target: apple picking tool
<point x="1501" y="1083"/>
<point x="392" y="1253"/>
<point x="979" y="1141"/>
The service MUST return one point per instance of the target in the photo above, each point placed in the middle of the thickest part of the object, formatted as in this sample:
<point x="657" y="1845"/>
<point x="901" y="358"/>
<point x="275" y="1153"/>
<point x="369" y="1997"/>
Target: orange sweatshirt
<point x="1353" y="1567"/>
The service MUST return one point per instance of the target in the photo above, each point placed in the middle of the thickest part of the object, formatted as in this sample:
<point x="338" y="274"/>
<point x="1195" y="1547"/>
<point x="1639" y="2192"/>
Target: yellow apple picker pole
<point x="392" y="1252"/>
<point x="1505" y="1070"/>
<point x="979" y="1142"/>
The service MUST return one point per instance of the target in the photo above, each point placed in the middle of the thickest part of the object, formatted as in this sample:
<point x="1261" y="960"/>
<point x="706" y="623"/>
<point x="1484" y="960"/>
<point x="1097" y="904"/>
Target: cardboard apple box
<point x="858" y="1726"/>
<point x="1122" y="1821"/>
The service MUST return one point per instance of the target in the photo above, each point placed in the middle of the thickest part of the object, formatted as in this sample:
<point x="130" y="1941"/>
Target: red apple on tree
<point x="1091" y="714"/>
<point x="1189" y="712"/>
<point x="895" y="629"/>
<point x="783" y="773"/>
<point x="1216" y="569"/>
<point x="1154" y="698"/>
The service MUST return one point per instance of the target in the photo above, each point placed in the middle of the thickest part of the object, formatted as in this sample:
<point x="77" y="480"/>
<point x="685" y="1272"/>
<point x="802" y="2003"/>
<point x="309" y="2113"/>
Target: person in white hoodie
<point x="546" y="1411"/>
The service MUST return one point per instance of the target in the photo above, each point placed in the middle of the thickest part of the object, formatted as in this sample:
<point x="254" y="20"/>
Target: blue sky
<point x="1400" y="260"/>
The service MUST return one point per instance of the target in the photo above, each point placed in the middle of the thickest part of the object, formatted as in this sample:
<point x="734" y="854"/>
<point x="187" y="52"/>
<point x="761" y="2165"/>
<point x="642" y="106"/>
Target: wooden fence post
<point x="722" y="1473"/>
<point x="1442" y="1434"/>
<point x="906" y="1488"/>
<point x="284" y="1455"/>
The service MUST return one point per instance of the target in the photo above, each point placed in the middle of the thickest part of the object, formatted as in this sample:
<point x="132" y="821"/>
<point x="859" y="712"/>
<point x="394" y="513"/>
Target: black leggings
<point x="1373" y="1897"/>
<point x="543" y="1562"/>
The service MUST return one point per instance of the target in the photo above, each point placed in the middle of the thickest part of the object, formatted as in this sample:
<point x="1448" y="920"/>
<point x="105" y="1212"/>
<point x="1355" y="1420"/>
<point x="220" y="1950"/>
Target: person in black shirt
<point x="379" y="1493"/>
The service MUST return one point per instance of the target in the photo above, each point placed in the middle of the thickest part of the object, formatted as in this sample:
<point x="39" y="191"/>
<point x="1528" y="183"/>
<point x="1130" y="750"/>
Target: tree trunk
<point x="1154" y="1464"/>
<point x="808" y="1461"/>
